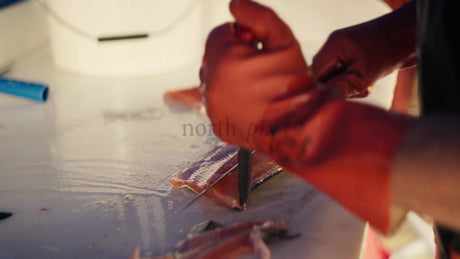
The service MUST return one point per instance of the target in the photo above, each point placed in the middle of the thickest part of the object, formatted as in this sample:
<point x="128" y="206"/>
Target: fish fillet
<point x="201" y="174"/>
<point x="228" y="242"/>
<point x="190" y="97"/>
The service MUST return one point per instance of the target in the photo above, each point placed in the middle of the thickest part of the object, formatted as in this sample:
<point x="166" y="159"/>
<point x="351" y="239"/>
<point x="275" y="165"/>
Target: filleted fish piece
<point x="199" y="175"/>
<point x="228" y="242"/>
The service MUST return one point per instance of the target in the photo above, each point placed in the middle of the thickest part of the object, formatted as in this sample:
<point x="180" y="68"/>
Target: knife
<point x="244" y="155"/>
<point x="244" y="175"/>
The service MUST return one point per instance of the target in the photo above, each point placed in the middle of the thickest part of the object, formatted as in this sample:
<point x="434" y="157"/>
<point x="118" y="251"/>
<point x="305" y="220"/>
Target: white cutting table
<point x="86" y="173"/>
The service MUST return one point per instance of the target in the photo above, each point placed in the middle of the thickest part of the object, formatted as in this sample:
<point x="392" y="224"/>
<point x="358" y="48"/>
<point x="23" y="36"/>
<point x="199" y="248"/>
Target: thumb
<point x="348" y="83"/>
<point x="263" y="22"/>
<point x="327" y="61"/>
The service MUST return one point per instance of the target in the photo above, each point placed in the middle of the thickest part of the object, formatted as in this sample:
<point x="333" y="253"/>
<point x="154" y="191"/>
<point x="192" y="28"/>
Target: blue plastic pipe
<point x="34" y="91"/>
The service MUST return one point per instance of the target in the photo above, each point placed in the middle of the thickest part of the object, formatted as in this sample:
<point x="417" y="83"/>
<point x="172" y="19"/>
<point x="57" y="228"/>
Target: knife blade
<point x="244" y="175"/>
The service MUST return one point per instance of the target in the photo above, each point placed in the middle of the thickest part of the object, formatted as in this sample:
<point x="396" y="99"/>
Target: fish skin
<point x="202" y="173"/>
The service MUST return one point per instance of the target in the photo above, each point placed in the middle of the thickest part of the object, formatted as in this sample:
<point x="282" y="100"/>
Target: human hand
<point x="359" y="55"/>
<point x="343" y="148"/>
<point x="240" y="82"/>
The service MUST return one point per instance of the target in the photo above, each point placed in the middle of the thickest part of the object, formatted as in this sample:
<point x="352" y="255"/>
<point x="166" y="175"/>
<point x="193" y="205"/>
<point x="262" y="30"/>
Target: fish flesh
<point x="190" y="97"/>
<point x="228" y="242"/>
<point x="199" y="175"/>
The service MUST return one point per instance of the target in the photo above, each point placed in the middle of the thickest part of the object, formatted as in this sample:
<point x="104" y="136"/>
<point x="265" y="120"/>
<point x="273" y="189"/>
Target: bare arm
<point x="426" y="173"/>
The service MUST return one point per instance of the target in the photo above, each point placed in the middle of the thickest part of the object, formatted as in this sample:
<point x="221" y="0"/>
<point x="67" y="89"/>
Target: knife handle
<point x="245" y="35"/>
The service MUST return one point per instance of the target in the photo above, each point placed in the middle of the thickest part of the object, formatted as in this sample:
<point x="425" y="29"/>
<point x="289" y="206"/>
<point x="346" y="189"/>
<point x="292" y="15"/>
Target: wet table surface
<point x="86" y="174"/>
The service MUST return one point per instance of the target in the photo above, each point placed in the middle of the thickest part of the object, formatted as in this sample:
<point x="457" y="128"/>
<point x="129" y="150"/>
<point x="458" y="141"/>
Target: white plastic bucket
<point x="174" y="29"/>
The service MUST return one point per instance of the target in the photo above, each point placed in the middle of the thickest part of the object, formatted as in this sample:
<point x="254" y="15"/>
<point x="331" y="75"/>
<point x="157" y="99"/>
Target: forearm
<point x="402" y="97"/>
<point x="399" y="28"/>
<point x="426" y="172"/>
